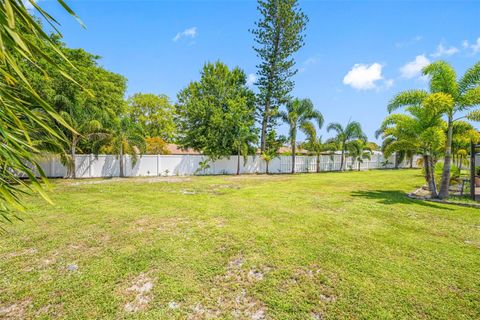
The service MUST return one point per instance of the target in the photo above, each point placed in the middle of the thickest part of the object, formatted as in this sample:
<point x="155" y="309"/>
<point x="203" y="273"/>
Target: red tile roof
<point x="175" y="149"/>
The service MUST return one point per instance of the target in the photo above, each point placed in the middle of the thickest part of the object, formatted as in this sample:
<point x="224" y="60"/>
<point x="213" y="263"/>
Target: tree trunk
<point x="342" y="160"/>
<point x="238" y="162"/>
<point x="445" y="182"/>
<point x="432" y="178"/>
<point x="73" y="174"/>
<point x="426" y="170"/>
<point x="460" y="164"/>
<point x="121" y="161"/>
<point x="294" y="150"/>
<point x="266" y="169"/>
<point x="263" y="138"/>
<point x="427" y="164"/>
<point x="318" y="163"/>
<point x="359" y="165"/>
<point x="411" y="162"/>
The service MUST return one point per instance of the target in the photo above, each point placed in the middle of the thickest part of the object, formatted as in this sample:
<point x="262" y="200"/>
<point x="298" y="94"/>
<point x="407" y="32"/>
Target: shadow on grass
<point x="394" y="197"/>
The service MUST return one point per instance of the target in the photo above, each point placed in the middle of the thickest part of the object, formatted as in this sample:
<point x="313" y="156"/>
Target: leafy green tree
<point x="154" y="113"/>
<point x="19" y="118"/>
<point x="298" y="114"/>
<point x="465" y="94"/>
<point x="87" y="109"/>
<point x="156" y="145"/>
<point x="212" y="113"/>
<point x="279" y="34"/>
<point x="345" y="135"/>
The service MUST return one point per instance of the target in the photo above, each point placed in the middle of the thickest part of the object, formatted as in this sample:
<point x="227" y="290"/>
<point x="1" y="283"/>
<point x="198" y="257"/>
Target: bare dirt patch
<point x="26" y="252"/>
<point x="15" y="310"/>
<point x="139" y="293"/>
<point x="231" y="294"/>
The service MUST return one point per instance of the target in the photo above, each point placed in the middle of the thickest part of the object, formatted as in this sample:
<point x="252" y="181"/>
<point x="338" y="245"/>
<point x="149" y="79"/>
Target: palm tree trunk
<point x="445" y="182"/>
<point x="429" y="175"/>
<point x="358" y="165"/>
<point x="342" y="160"/>
<point x="411" y="162"/>
<point x="238" y="162"/>
<point x="72" y="174"/>
<point x="121" y="161"/>
<point x="433" y="189"/>
<point x="318" y="162"/>
<point x="266" y="169"/>
<point x="294" y="150"/>
<point x="460" y="164"/>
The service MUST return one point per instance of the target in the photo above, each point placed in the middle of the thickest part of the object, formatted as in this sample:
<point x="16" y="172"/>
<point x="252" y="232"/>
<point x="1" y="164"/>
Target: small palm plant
<point x="273" y="143"/>
<point x="242" y="142"/>
<point x="344" y="135"/>
<point x="299" y="113"/>
<point x="126" y="137"/>
<point x="359" y="150"/>
<point x="313" y="143"/>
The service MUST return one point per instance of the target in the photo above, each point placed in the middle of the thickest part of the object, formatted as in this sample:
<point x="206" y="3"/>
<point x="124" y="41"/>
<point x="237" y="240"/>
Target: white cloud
<point x="408" y="42"/>
<point x="251" y="79"/>
<point x="414" y="68"/>
<point x="309" y="62"/>
<point x="366" y="77"/>
<point x="474" y="47"/>
<point x="190" y="32"/>
<point x="444" y="51"/>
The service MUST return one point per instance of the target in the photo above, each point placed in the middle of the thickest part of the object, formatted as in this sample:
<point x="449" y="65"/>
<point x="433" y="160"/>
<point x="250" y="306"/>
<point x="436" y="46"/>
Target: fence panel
<point x="89" y="166"/>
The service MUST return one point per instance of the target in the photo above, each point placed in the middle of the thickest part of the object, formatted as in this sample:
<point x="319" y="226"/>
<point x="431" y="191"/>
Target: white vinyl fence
<point x="104" y="166"/>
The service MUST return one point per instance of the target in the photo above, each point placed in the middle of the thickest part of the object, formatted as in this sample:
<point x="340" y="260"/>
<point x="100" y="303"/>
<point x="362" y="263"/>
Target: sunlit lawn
<point x="314" y="246"/>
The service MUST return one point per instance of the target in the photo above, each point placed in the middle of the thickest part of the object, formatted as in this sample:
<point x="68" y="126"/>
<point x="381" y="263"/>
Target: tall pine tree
<point x="278" y="35"/>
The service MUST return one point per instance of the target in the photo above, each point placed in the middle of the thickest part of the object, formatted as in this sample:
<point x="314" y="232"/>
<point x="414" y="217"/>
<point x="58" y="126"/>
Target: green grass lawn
<point x="311" y="246"/>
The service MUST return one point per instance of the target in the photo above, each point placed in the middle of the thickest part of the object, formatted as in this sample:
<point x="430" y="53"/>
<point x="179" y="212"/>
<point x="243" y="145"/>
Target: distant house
<point x="288" y="150"/>
<point x="176" y="150"/>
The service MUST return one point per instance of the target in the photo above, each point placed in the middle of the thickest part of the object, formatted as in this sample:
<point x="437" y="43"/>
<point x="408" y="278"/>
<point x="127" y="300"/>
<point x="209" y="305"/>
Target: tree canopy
<point x="213" y="112"/>
<point x="154" y="113"/>
<point x="279" y="33"/>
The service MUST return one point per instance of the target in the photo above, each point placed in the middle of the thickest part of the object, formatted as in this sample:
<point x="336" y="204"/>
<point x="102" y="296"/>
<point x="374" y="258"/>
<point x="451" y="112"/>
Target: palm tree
<point x="422" y="129"/>
<point x="401" y="151"/>
<point x="299" y="112"/>
<point x="19" y="34"/>
<point x="463" y="134"/>
<point x="242" y="143"/>
<point x="351" y="132"/>
<point x="126" y="137"/>
<point x="359" y="150"/>
<point x="313" y="143"/>
<point x="83" y="120"/>
<point x="465" y="94"/>
<point x="273" y="143"/>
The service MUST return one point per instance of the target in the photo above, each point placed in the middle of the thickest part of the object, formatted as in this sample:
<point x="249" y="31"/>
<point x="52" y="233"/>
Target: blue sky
<point x="358" y="54"/>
